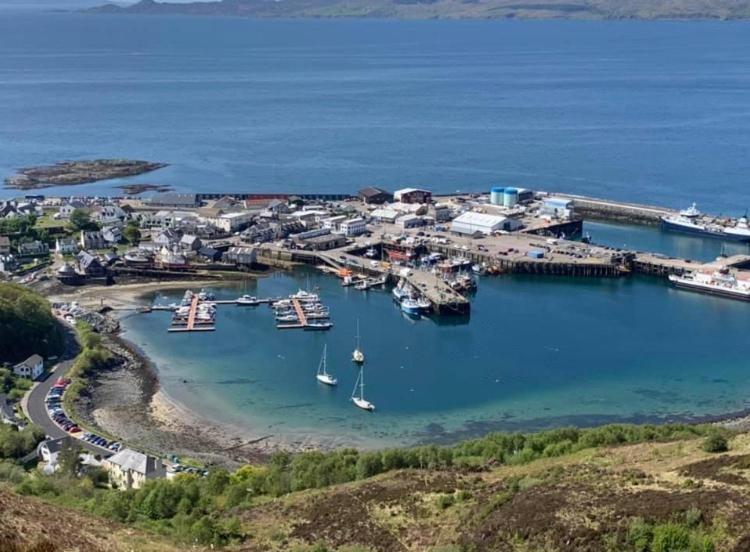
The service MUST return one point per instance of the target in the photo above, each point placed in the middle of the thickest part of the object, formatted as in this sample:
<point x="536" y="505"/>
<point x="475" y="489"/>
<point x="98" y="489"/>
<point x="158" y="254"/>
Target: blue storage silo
<point x="496" y="195"/>
<point x="510" y="197"/>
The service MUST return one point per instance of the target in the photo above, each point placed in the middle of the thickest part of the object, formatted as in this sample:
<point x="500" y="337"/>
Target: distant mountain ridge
<point x="448" y="9"/>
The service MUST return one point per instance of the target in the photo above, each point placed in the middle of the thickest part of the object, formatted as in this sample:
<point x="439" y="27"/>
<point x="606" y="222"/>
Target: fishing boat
<point x="248" y="301"/>
<point x="347" y="280"/>
<point x="692" y="221"/>
<point x="361" y="402"/>
<point x="410" y="306"/>
<point x="371" y="253"/>
<point x="323" y="376"/>
<point x="424" y="304"/>
<point x="401" y="290"/>
<point x="357" y="355"/>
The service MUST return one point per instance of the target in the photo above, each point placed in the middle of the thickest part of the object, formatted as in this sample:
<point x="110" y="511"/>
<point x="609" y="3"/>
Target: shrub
<point x="715" y="443"/>
<point x="670" y="537"/>
<point x="445" y="501"/>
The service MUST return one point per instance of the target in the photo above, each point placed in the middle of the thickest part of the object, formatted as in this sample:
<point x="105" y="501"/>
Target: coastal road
<point x="36" y="408"/>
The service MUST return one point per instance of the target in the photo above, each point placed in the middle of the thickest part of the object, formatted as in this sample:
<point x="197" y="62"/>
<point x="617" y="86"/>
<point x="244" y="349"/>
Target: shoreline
<point x="152" y="419"/>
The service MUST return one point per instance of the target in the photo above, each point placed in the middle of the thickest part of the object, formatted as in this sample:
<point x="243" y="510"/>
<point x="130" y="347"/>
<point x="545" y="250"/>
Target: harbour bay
<point x="536" y="352"/>
<point x="635" y="111"/>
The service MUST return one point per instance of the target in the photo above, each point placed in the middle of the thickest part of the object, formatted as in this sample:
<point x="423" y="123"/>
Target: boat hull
<point x="326" y="380"/>
<point x="682" y="229"/>
<point x="725" y="293"/>
<point x="363" y="404"/>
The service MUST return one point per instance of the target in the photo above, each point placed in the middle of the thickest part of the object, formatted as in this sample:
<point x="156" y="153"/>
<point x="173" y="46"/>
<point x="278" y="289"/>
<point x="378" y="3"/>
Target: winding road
<point x="36" y="408"/>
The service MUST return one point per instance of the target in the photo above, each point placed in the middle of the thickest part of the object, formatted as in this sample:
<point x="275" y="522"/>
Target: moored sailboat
<point x="323" y="376"/>
<point x="361" y="402"/>
<point x="357" y="355"/>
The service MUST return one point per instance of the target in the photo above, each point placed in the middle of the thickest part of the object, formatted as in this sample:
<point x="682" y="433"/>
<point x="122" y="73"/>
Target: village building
<point x="353" y="227"/>
<point x="412" y="195"/>
<point x="66" y="246"/>
<point x="130" y="469"/>
<point x="374" y="196"/>
<point x="34" y="248"/>
<point x="31" y="368"/>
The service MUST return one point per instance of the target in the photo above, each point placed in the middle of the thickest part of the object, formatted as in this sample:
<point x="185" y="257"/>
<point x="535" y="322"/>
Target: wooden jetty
<point x="301" y="316"/>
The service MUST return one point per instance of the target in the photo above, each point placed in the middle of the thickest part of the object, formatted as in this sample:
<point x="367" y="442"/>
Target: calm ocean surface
<point x="649" y="111"/>
<point x="634" y="111"/>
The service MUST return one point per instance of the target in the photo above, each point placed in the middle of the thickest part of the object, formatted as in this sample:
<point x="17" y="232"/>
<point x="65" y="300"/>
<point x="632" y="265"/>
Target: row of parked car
<point x="56" y="412"/>
<point x="54" y="406"/>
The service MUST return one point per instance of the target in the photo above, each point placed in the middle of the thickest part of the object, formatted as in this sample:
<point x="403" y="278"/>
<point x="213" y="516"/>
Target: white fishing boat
<point x="361" y="402"/>
<point x="358" y="356"/>
<point x="323" y="376"/>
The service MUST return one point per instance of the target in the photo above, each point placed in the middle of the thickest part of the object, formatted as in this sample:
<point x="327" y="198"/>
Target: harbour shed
<point x="173" y="199"/>
<point x="471" y="223"/>
<point x="375" y="196"/>
<point x="412" y="195"/>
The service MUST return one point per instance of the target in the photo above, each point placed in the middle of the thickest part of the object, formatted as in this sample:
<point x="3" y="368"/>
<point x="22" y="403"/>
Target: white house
<point x="130" y="469"/>
<point x="353" y="227"/>
<point x="67" y="208"/>
<point x="334" y="222"/>
<point x="108" y="214"/>
<point x="230" y="222"/>
<point x="30" y="368"/>
<point x="66" y="246"/>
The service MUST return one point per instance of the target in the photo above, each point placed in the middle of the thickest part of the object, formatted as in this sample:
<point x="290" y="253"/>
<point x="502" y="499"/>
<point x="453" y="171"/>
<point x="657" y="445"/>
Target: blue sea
<point x="655" y="112"/>
<point x="652" y="112"/>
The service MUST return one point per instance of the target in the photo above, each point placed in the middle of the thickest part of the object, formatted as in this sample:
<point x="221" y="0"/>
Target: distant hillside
<point x="450" y="9"/>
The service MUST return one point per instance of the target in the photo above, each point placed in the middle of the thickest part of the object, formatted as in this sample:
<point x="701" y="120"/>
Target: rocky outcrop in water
<point x="69" y="173"/>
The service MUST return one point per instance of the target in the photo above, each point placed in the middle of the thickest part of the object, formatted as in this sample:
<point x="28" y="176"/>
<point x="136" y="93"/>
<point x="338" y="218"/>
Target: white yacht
<point x="323" y="376"/>
<point x="360" y="401"/>
<point x="357" y="355"/>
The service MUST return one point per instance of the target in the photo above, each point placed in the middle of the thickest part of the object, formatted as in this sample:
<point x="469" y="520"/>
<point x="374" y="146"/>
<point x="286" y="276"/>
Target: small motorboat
<point x="248" y="301"/>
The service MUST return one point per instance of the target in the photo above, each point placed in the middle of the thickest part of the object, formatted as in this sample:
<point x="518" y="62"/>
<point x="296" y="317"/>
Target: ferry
<point x="689" y="221"/>
<point x="721" y="283"/>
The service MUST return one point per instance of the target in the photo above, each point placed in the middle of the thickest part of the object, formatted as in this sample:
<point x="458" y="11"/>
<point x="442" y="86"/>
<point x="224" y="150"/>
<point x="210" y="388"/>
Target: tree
<point x="80" y="220"/>
<point x="132" y="234"/>
<point x="69" y="459"/>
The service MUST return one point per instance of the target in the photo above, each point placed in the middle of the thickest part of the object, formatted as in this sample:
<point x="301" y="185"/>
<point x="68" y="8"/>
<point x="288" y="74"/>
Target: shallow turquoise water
<point x="536" y="352"/>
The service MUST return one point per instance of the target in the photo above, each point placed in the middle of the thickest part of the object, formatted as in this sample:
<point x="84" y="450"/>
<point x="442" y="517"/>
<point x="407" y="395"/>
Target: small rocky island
<point x="69" y="173"/>
<point x="136" y="189"/>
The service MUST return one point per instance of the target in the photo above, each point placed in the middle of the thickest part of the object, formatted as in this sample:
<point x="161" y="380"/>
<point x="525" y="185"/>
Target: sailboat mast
<point x="362" y="383"/>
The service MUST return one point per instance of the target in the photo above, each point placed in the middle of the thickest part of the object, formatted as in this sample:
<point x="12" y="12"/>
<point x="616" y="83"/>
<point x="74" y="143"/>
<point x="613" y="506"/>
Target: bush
<point x="715" y="443"/>
<point x="445" y="501"/>
<point x="670" y="537"/>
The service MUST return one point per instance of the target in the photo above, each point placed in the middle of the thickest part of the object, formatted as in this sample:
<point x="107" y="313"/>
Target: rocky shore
<point x="70" y="173"/>
<point x="125" y="401"/>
